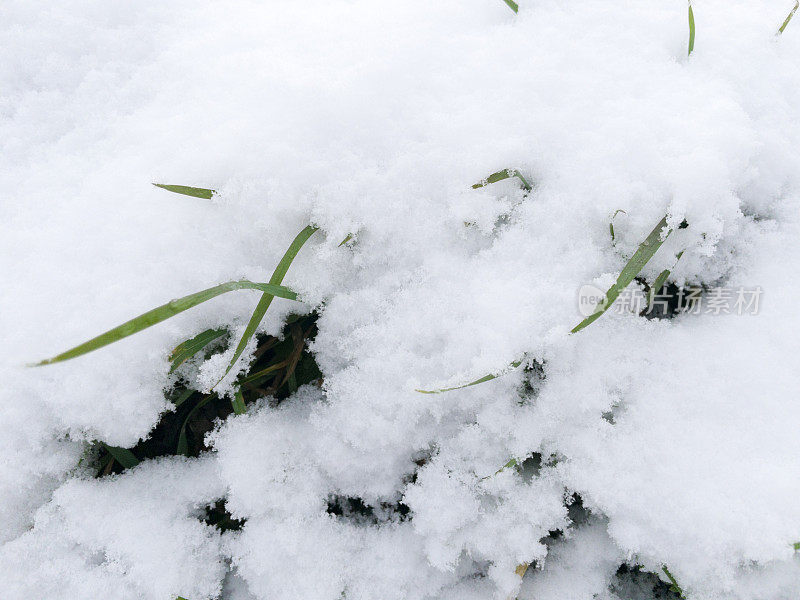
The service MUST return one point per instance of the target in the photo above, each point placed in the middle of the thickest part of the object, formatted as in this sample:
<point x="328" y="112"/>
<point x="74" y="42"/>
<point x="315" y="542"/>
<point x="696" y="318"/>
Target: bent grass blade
<point x="187" y="190"/>
<point x="266" y="298"/>
<point x="500" y="176"/>
<point x="164" y="312"/>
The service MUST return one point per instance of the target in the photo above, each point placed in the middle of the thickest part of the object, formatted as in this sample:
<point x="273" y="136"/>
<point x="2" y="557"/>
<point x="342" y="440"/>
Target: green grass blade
<point x="691" y="29"/>
<point x="789" y="17"/>
<point x="186" y="190"/>
<point x="483" y="379"/>
<point x="164" y="312"/>
<point x="675" y="587"/>
<point x="512" y="5"/>
<point x="661" y="280"/>
<point x="796" y="546"/>
<point x="183" y="397"/>
<point x="183" y="441"/>
<point x="266" y="298"/>
<point x="123" y="456"/>
<point x="500" y="176"/>
<point x="345" y="240"/>
<point x="238" y="403"/>
<point x="186" y="350"/>
<point x="634" y="266"/>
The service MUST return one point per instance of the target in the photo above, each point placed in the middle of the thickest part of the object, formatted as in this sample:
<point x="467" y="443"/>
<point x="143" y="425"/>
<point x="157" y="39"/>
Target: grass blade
<point x="789" y="17"/>
<point x="675" y="587"/>
<point x="123" y="456"/>
<point x="483" y="379"/>
<point x="186" y="190"/>
<point x="183" y="441"/>
<point x="501" y="175"/>
<point x="266" y="298"/>
<point x="238" y="403"/>
<point x="691" y="29"/>
<point x="634" y="266"/>
<point x="183" y="397"/>
<point x="512" y="5"/>
<point x="186" y="350"/>
<point x="164" y="312"/>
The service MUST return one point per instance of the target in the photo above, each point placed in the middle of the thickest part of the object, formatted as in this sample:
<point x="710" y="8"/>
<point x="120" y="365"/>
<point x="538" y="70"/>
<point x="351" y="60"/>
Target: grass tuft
<point x="164" y="312"/>
<point x="186" y="190"/>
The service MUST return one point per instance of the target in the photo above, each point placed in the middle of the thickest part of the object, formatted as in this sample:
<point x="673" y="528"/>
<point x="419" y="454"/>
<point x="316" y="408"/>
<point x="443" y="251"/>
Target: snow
<point x="374" y="119"/>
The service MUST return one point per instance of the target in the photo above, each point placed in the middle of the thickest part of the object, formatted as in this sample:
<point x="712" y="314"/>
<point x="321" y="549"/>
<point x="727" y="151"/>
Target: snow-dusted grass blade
<point x="674" y="587"/>
<point x="512" y="5"/>
<point x="345" y="240"/>
<point x="238" y="403"/>
<point x="634" y="266"/>
<point x="611" y="223"/>
<point x="691" y="29"/>
<point x="500" y="176"/>
<point x="164" y="312"/>
<point x="123" y="456"/>
<point x="186" y="350"/>
<point x="266" y="298"/>
<point x="483" y="379"/>
<point x="789" y="17"/>
<point x="187" y="190"/>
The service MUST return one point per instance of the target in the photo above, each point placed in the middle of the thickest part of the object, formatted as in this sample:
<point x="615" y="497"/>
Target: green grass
<point x="634" y="266"/>
<point x="691" y="29"/>
<point x="674" y="587"/>
<point x="123" y="456"/>
<point x="500" y="176"/>
<point x="186" y="350"/>
<point x="789" y="17"/>
<point x="512" y="5"/>
<point x="164" y="312"/>
<point x="266" y="298"/>
<point x="186" y="190"/>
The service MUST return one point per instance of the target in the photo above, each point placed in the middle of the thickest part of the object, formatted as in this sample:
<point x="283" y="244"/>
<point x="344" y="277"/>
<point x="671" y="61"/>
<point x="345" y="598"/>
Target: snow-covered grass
<point x="459" y="171"/>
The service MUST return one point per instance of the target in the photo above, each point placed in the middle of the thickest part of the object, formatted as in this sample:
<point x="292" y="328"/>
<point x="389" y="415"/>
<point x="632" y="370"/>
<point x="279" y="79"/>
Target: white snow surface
<point x="375" y="118"/>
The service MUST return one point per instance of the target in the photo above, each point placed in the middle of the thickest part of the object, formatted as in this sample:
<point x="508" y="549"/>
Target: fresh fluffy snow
<point x="374" y="118"/>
